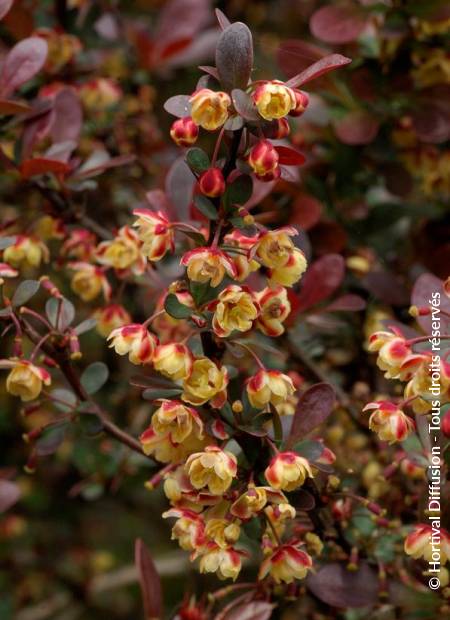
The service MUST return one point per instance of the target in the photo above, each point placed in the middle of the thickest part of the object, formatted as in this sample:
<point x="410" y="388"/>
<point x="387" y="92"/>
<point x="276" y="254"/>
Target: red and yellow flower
<point x="423" y="541"/>
<point x="111" y="317"/>
<point x="208" y="265"/>
<point x="235" y="309"/>
<point x="184" y="132"/>
<point x="156" y="233"/>
<point x="25" y="378"/>
<point x="287" y="471"/>
<point x="211" y="182"/>
<point x="209" y="109"/>
<point x="244" y="265"/>
<point x="189" y="528"/>
<point x="135" y="341"/>
<point x="213" y="469"/>
<point x="388" y="421"/>
<point x="173" y="360"/>
<point x="206" y="383"/>
<point x="269" y="386"/>
<point x="392" y="351"/>
<point x="274" y="99"/>
<point x="274" y="309"/>
<point x="291" y="272"/>
<point x="226" y="563"/>
<point x="285" y="564"/>
<point x="89" y="281"/>
<point x="26" y="252"/>
<point x="263" y="159"/>
<point x="175" y="432"/>
<point x="123" y="252"/>
<point x="274" y="247"/>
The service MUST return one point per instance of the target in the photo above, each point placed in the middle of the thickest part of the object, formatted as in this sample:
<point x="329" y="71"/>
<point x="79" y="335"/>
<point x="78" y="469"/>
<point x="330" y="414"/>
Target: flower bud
<point x="301" y="103"/>
<point x="263" y="158"/>
<point x="184" y="132"/>
<point x="211" y="182"/>
<point x="209" y="109"/>
<point x="287" y="471"/>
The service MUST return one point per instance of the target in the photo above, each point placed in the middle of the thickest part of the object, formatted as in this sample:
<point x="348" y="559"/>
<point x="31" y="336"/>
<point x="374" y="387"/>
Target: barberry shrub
<point x="229" y="432"/>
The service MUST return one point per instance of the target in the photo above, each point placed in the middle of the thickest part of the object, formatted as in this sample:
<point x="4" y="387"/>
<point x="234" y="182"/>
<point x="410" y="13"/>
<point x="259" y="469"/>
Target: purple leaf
<point x="5" y="5"/>
<point x="294" y="55"/>
<point x="422" y="295"/>
<point x="337" y="24"/>
<point x="336" y="586"/>
<point x="9" y="494"/>
<point x="321" y="280"/>
<point x="431" y="120"/>
<point x="357" y="127"/>
<point x="346" y="303"/>
<point x="178" y="106"/>
<point x="68" y="117"/>
<point x="212" y="71"/>
<point x="22" y="63"/>
<point x="179" y="187"/>
<point x="322" y="66"/>
<point x="386" y="287"/>
<point x="254" y="610"/>
<point x="244" y="105"/>
<point x="149" y="581"/>
<point x="234" y="56"/>
<point x="223" y="20"/>
<point x="181" y="19"/>
<point x="314" y="407"/>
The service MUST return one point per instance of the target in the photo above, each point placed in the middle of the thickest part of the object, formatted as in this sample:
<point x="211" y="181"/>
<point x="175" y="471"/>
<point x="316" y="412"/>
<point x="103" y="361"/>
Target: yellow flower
<point x="205" y="382"/>
<point x="173" y="360"/>
<point x="389" y="422"/>
<point x="244" y="266"/>
<point x="189" y="529"/>
<point x="274" y="100"/>
<point x="123" y="252"/>
<point x="136" y="341"/>
<point x="26" y="251"/>
<point x="269" y="386"/>
<point x="214" y="469"/>
<point x="209" y="109"/>
<point x="235" y="308"/>
<point x="285" y="564"/>
<point x="155" y="232"/>
<point x="175" y="432"/>
<point x="25" y="379"/>
<point x="208" y="265"/>
<point x="222" y="532"/>
<point x="291" y="272"/>
<point x="89" y="281"/>
<point x="226" y="563"/>
<point x="99" y="94"/>
<point x="250" y="503"/>
<point x="274" y="309"/>
<point x="274" y="247"/>
<point x="111" y="317"/>
<point x="423" y="540"/>
<point x="287" y="471"/>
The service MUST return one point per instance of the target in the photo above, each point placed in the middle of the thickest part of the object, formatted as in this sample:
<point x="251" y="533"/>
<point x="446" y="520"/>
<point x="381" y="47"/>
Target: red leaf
<point x="337" y="24"/>
<point x="321" y="280"/>
<point x="149" y="581"/>
<point x="306" y="211"/>
<point x="223" y="20"/>
<point x="346" y="303"/>
<point x="289" y="157"/>
<point x="328" y="237"/>
<point x="294" y="55"/>
<point x="22" y="63"/>
<point x="41" y="165"/>
<point x="422" y="295"/>
<point x="5" y="5"/>
<point x="314" y="407"/>
<point x="174" y="47"/>
<point x="13" y="107"/>
<point x="432" y="120"/>
<point x="357" y="127"/>
<point x="113" y="162"/>
<point x="9" y="494"/>
<point x="67" y="116"/>
<point x="322" y="66"/>
<point x="335" y="585"/>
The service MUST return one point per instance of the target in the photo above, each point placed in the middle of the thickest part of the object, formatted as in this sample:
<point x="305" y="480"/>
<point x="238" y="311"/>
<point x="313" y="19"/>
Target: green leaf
<point x="24" y="292"/>
<point x="205" y="206"/>
<point x="197" y="237"/>
<point x="90" y="424"/>
<point x="94" y="377"/>
<point x="197" y="160"/>
<point x="175" y="308"/>
<point x="85" y="326"/>
<point x="67" y="396"/>
<point x="51" y="439"/>
<point x="151" y="394"/>
<point x="66" y="315"/>
<point x="309" y="449"/>
<point x="240" y="191"/>
<point x="202" y="292"/>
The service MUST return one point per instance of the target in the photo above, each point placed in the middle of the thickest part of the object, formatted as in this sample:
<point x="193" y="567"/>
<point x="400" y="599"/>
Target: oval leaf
<point x="175" y="308"/>
<point x="149" y="581"/>
<point x="255" y="610"/>
<point x="197" y="160"/>
<point x="322" y="66"/>
<point x="244" y="105"/>
<point x="357" y="127"/>
<point x="289" y="157"/>
<point x="206" y="207"/>
<point x="5" y="5"/>
<point x="336" y="586"/>
<point x="9" y="494"/>
<point x="157" y="394"/>
<point x="66" y="313"/>
<point x="178" y="106"/>
<point x="22" y="63"/>
<point x="337" y="24"/>
<point x="94" y="377"/>
<point x="25" y="292"/>
<point x="42" y="165"/>
<point x="424" y="291"/>
<point x="314" y="407"/>
<point x="234" y="56"/>
<point x="320" y="281"/>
